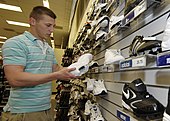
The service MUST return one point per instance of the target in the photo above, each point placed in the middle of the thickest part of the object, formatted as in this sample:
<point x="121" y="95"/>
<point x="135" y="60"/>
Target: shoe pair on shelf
<point x="92" y="109"/>
<point x="112" y="56"/>
<point x="145" y="45"/>
<point x="96" y="86"/>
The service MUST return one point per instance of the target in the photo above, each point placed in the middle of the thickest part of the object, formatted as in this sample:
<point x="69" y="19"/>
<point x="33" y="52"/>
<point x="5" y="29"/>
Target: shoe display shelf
<point x="138" y="62"/>
<point x="125" y="115"/>
<point x="107" y="68"/>
<point x="163" y="59"/>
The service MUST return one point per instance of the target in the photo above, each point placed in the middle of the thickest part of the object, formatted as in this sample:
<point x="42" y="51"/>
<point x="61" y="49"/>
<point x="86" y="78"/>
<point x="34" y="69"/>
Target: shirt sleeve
<point x="13" y="53"/>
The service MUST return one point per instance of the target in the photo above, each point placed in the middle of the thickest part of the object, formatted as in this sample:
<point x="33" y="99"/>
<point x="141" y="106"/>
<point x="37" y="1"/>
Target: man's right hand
<point x="64" y="74"/>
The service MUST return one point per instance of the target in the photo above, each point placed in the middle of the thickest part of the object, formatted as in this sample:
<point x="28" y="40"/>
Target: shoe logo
<point x="136" y="101"/>
<point x="127" y="95"/>
<point x="138" y="84"/>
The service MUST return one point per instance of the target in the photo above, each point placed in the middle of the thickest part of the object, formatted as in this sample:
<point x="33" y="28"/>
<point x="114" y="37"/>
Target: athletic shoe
<point x="95" y="113"/>
<point x="112" y="56"/>
<point x="166" y="37"/>
<point x="88" y="106"/>
<point x="81" y="65"/>
<point x="145" y="45"/>
<point x="136" y="99"/>
<point x="130" y="5"/>
<point x="167" y="111"/>
<point x="99" y="87"/>
<point x="103" y="21"/>
<point x="90" y="84"/>
<point x="135" y="43"/>
<point x="100" y="34"/>
<point x="115" y="20"/>
<point x="93" y="64"/>
<point x="80" y="69"/>
<point x="100" y="6"/>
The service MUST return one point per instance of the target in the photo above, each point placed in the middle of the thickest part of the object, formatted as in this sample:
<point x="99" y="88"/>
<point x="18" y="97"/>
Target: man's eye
<point x="48" y="25"/>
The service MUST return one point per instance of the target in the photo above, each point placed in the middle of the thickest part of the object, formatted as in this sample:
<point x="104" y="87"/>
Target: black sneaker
<point x="136" y="99"/>
<point x="145" y="45"/>
<point x="167" y="111"/>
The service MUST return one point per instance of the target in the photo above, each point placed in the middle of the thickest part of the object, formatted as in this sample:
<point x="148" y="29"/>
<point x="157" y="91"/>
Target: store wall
<point x="150" y="23"/>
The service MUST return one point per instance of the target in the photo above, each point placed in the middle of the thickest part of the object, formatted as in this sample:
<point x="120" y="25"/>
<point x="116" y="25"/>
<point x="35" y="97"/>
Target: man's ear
<point x="32" y="21"/>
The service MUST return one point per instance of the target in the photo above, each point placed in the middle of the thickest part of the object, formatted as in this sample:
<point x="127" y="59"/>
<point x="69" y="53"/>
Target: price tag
<point x="125" y="64"/>
<point x="135" y="12"/>
<point x="128" y="18"/>
<point x="138" y="62"/>
<point x="163" y="60"/>
<point x="122" y="116"/>
<point x="140" y="8"/>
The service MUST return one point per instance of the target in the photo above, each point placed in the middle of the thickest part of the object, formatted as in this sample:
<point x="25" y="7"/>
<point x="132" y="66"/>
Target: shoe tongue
<point x="138" y="85"/>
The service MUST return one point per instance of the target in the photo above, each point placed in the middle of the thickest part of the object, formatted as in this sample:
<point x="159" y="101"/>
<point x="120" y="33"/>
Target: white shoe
<point x="112" y="56"/>
<point x="81" y="65"/>
<point x="93" y="64"/>
<point x="100" y="6"/>
<point x="166" y="37"/>
<point x="100" y="34"/>
<point x="85" y="58"/>
<point x="90" y="84"/>
<point x="88" y="106"/>
<point x="114" y="20"/>
<point x="96" y="113"/>
<point x="99" y="88"/>
<point x="103" y="21"/>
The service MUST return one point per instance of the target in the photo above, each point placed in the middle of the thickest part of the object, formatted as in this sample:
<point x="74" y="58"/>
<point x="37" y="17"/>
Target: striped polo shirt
<point x="25" y="50"/>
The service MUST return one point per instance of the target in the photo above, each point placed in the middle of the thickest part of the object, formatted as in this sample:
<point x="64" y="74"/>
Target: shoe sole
<point x="157" y="115"/>
<point x="166" y="117"/>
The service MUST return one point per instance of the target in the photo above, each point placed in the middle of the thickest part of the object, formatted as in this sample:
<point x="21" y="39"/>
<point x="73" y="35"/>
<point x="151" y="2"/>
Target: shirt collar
<point x="30" y="36"/>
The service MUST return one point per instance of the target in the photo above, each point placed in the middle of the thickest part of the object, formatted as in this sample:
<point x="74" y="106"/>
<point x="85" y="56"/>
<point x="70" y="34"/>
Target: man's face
<point x="44" y="26"/>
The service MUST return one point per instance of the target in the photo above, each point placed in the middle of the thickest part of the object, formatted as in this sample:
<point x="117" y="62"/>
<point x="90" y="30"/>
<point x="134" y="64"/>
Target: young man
<point x="30" y="66"/>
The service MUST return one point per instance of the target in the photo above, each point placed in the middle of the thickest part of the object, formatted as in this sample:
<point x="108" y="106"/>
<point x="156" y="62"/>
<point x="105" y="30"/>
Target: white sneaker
<point x="103" y="21"/>
<point x="80" y="69"/>
<point x="99" y="88"/>
<point x="88" y="106"/>
<point x="81" y="65"/>
<point x="93" y="64"/>
<point x="90" y="84"/>
<point x="166" y="37"/>
<point x="95" y="113"/>
<point x="114" y="20"/>
<point x="112" y="56"/>
<point x="100" y="34"/>
<point x="85" y="58"/>
<point x="100" y="6"/>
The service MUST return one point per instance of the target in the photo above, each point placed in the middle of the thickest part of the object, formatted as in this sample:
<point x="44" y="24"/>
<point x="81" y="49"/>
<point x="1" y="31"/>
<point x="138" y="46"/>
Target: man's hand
<point x="64" y="74"/>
